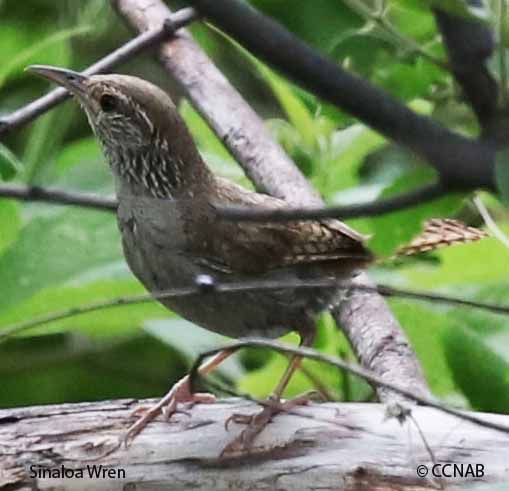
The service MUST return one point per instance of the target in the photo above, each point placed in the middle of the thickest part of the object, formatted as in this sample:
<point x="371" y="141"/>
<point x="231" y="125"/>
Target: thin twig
<point x="373" y="208"/>
<point x="490" y="223"/>
<point x="380" y="19"/>
<point x="145" y="40"/>
<point x="367" y="375"/>
<point x="58" y="197"/>
<point x="205" y="285"/>
<point x="315" y="380"/>
<point x="425" y="442"/>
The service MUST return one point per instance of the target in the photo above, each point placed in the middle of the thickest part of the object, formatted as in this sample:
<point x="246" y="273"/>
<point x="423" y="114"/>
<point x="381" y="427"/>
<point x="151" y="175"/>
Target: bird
<point x="172" y="231"/>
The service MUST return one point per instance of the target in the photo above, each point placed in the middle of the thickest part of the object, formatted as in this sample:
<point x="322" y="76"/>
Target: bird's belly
<point x="267" y="313"/>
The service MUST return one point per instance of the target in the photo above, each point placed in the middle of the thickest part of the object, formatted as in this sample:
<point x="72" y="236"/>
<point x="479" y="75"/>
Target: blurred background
<point x="54" y="258"/>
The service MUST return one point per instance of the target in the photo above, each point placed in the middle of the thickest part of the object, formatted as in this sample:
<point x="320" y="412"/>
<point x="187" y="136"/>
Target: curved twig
<point x="373" y="208"/>
<point x="58" y="197"/>
<point x="367" y="375"/>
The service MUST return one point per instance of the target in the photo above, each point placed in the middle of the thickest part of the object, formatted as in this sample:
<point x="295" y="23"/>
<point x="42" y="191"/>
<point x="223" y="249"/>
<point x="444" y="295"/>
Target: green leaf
<point x="297" y="112"/>
<point x="10" y="222"/>
<point x="348" y="149"/>
<point x="330" y="340"/>
<point x="33" y="53"/>
<point x="413" y="18"/>
<point x="211" y="148"/>
<point x="49" y="130"/>
<point x="192" y="340"/>
<point x="302" y="17"/>
<point x="105" y="323"/>
<point x="202" y="134"/>
<point x="66" y="368"/>
<point x="485" y="262"/>
<point x="425" y="327"/>
<point x="81" y="165"/>
<point x="54" y="249"/>
<point x="482" y="375"/>
<point x="502" y="174"/>
<point x="79" y="152"/>
<point x="10" y="165"/>
<point x="44" y="140"/>
<point x="395" y="229"/>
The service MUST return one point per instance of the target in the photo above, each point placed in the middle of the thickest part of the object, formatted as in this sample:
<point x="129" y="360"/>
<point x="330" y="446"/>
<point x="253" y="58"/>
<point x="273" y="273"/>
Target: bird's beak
<point x="74" y="82"/>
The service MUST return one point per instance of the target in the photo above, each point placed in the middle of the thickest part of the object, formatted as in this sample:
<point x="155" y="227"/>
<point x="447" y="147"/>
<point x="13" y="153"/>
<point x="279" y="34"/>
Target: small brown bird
<point x="172" y="233"/>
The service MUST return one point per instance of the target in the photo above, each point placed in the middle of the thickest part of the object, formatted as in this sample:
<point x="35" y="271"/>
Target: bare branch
<point x="61" y="197"/>
<point x="330" y="446"/>
<point x="373" y="208"/>
<point x="58" y="197"/>
<point x="121" y="55"/>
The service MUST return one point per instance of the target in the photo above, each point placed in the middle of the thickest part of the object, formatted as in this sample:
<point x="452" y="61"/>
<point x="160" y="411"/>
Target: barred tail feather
<point x="441" y="232"/>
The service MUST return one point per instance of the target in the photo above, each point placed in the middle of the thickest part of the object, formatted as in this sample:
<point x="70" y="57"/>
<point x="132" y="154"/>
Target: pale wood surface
<point x="337" y="447"/>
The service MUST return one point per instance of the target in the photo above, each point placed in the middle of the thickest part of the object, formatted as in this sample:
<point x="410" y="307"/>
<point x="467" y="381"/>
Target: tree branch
<point x="327" y="446"/>
<point x="470" y="43"/>
<point x="385" y="349"/>
<point x="160" y="32"/>
<point x="462" y="163"/>
<point x="57" y="197"/>
<point x="373" y="208"/>
<point x="205" y="285"/>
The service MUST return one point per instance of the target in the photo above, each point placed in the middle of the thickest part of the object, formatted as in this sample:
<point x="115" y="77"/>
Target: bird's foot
<point x="258" y="421"/>
<point x="180" y="393"/>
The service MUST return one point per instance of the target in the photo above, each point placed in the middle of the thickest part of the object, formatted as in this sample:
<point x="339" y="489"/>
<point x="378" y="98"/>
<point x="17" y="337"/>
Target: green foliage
<point x="52" y="258"/>
<point x="67" y="247"/>
<point x="426" y="328"/>
<point x="502" y="174"/>
<point x="9" y="163"/>
<point x="398" y="228"/>
<point x="478" y="370"/>
<point x="41" y="52"/>
<point x="11" y="223"/>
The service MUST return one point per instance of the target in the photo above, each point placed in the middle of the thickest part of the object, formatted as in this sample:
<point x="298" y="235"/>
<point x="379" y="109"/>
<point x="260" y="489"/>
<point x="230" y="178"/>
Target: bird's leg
<point x="179" y="393"/>
<point x="257" y="422"/>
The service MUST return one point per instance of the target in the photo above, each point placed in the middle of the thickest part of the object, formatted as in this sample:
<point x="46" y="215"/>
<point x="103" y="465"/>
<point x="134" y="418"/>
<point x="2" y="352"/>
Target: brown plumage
<point x="171" y="232"/>
<point x="441" y="232"/>
<point x="170" y="229"/>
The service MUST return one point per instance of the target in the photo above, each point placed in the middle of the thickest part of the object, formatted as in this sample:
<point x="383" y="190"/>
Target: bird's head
<point x="138" y="125"/>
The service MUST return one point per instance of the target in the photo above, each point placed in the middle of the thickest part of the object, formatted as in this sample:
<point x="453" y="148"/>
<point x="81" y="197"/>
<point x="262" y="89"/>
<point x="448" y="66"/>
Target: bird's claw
<point x="167" y="406"/>
<point x="257" y="422"/>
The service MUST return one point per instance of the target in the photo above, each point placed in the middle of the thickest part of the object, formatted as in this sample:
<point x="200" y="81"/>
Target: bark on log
<point x="341" y="447"/>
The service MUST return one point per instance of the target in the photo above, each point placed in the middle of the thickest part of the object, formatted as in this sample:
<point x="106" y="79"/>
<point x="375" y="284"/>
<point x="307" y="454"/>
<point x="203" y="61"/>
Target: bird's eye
<point x="108" y="102"/>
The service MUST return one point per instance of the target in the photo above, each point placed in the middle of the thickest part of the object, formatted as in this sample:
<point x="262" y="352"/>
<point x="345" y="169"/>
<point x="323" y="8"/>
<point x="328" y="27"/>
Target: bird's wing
<point x="248" y="246"/>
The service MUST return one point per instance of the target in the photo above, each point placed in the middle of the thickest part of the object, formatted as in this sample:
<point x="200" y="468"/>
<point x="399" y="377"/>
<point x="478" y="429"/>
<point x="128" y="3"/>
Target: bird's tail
<point x="438" y="233"/>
